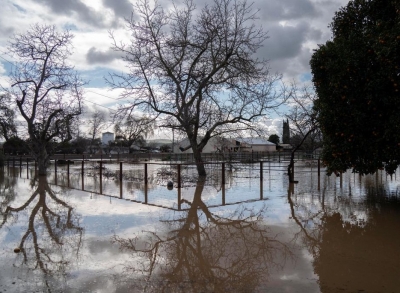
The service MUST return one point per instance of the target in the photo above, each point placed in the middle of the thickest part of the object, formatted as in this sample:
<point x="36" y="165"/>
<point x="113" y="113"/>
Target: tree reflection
<point x="53" y="235"/>
<point x="7" y="191"/>
<point x="205" y="252"/>
<point x="355" y="251"/>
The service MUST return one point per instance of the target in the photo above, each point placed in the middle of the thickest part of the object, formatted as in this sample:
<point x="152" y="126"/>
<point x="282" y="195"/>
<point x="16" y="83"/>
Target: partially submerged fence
<point x="178" y="165"/>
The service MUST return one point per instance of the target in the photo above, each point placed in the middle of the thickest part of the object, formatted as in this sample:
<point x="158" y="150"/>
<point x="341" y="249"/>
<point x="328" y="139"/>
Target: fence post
<point x="319" y="168"/>
<point x="223" y="195"/>
<point x="120" y="171"/>
<point x="261" y="170"/>
<point x="223" y="173"/>
<point x="179" y="199"/>
<point x="179" y="175"/>
<point x="101" y="177"/>
<point x="145" y="173"/>
<point x="83" y="172"/>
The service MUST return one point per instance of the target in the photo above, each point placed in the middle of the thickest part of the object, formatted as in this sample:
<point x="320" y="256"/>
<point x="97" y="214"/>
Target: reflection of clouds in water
<point x="101" y="263"/>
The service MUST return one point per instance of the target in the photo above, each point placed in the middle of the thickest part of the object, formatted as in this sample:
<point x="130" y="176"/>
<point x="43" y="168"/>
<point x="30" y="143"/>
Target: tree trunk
<point x="43" y="161"/>
<point x="291" y="168"/>
<point x="291" y="164"/>
<point x="199" y="162"/>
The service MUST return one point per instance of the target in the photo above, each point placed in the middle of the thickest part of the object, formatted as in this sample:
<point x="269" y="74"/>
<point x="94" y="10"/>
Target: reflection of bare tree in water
<point x="52" y="234"/>
<point x="206" y="252"/>
<point x="7" y="192"/>
<point x="352" y="255"/>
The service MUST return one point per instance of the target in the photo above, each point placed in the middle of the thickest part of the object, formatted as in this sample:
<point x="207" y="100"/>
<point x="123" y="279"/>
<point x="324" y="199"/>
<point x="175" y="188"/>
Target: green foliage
<point x="16" y="146"/>
<point x="2" y="158"/>
<point x="165" y="148"/>
<point x="274" y="138"/>
<point x="357" y="79"/>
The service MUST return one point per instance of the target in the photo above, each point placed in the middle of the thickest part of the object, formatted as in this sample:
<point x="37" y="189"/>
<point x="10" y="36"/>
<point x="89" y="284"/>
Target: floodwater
<point x="255" y="233"/>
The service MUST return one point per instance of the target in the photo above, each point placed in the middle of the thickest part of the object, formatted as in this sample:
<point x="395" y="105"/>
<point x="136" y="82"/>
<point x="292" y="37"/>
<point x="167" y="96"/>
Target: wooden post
<point x="319" y="167"/>
<point x="223" y="195"/>
<point x="20" y="162"/>
<point x="146" y="194"/>
<point x="120" y="171"/>
<point x="179" y="175"/>
<point x="145" y="173"/>
<point x="68" y="168"/>
<point x="82" y="174"/>
<point x="101" y="177"/>
<point x="55" y="170"/>
<point x="179" y="199"/>
<point x="261" y="170"/>
<point x="223" y="173"/>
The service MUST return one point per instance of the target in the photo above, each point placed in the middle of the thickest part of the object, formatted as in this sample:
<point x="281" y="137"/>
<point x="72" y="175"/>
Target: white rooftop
<point x="255" y="141"/>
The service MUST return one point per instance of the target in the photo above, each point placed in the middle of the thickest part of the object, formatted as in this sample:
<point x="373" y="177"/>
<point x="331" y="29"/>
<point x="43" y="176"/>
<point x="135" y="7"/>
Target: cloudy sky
<point x="295" y="27"/>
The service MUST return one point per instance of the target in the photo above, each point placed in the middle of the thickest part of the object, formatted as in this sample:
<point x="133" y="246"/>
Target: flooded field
<point x="75" y="231"/>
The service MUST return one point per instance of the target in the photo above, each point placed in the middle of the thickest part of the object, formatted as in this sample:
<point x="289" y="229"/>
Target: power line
<point x="90" y="91"/>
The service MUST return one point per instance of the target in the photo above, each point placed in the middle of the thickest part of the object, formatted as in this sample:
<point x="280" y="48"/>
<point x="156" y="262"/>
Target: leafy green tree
<point x="274" y="138"/>
<point x="357" y="79"/>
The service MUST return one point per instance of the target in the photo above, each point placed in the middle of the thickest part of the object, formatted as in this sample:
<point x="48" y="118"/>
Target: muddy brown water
<point x="81" y="234"/>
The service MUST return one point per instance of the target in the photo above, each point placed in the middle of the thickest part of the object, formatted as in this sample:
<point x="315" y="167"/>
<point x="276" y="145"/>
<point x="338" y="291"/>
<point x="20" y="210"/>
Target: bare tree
<point x="134" y="129"/>
<point x="96" y="125"/>
<point x="304" y="123"/>
<point x="197" y="69"/>
<point x="53" y="236"/>
<point x="47" y="90"/>
<point x="7" y="117"/>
